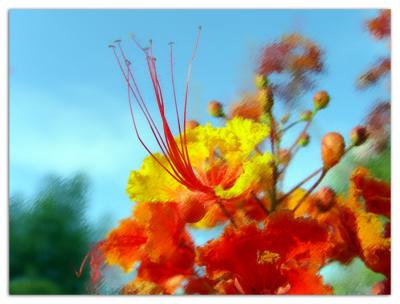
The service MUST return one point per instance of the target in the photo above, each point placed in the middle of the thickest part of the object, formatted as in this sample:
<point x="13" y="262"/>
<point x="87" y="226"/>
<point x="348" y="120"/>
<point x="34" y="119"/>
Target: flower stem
<point x="324" y="172"/>
<point x="274" y="200"/>
<point x="290" y="126"/>
<point x="300" y="184"/>
<point x="226" y="213"/>
<point x="310" y="190"/>
<point x="300" y="134"/>
<point x="260" y="203"/>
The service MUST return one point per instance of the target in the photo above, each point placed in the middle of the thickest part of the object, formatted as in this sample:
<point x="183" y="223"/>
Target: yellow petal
<point x="255" y="170"/>
<point x="151" y="183"/>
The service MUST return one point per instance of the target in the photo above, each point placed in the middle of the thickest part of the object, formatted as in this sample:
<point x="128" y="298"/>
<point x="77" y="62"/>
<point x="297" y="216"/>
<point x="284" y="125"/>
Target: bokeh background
<point x="71" y="138"/>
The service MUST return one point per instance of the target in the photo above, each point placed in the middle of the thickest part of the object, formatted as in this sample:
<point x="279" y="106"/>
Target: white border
<point x="7" y="4"/>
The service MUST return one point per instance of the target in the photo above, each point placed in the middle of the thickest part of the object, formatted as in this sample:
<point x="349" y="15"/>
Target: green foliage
<point x="49" y="238"/>
<point x="34" y="285"/>
<point x="354" y="278"/>
<point x="377" y="163"/>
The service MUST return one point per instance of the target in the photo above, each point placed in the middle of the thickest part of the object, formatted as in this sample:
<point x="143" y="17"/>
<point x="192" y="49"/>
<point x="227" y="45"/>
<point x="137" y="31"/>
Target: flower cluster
<point x="295" y="59"/>
<point x="273" y="241"/>
<point x="378" y="119"/>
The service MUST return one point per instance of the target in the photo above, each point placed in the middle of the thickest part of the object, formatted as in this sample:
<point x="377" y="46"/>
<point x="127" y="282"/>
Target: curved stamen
<point x="176" y="154"/>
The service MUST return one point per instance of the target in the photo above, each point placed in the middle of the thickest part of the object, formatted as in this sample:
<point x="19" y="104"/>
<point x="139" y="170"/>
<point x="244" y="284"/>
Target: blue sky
<point x="68" y="105"/>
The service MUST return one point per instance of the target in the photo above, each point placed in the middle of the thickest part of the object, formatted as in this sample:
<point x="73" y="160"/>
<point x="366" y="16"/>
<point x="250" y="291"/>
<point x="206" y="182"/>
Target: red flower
<point x="380" y="26"/>
<point x="375" y="193"/>
<point x="267" y="261"/>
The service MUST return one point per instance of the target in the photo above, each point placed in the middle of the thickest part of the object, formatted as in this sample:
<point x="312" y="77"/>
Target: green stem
<point x="290" y="126"/>
<point x="310" y="190"/>
<point x="300" y="184"/>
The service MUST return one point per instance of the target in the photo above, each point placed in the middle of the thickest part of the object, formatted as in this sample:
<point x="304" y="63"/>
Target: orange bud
<point x="261" y="81"/>
<point x="321" y="100"/>
<point x="325" y="198"/>
<point x="215" y="109"/>
<point x="332" y="149"/>
<point x="191" y="124"/>
<point x="285" y="118"/>
<point x="306" y="115"/>
<point x="266" y="98"/>
<point x="191" y="210"/>
<point x="304" y="140"/>
<point x="358" y="135"/>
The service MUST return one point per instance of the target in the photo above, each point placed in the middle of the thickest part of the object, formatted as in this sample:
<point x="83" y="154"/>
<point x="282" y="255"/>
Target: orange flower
<point x="380" y="26"/>
<point x="250" y="107"/>
<point x="376" y="193"/>
<point x="122" y="246"/>
<point x="353" y="229"/>
<point x="266" y="261"/>
<point x="156" y="237"/>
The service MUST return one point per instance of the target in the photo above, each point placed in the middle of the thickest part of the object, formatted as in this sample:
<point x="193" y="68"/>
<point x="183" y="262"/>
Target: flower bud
<point x="191" y="124"/>
<point x="285" y="118"/>
<point x="284" y="156"/>
<point x="261" y="81"/>
<point x="266" y="98"/>
<point x="332" y="149"/>
<point x="215" y="109"/>
<point x="191" y="210"/>
<point x="321" y="100"/>
<point x="306" y="116"/>
<point x="325" y="199"/>
<point x="304" y="139"/>
<point x="358" y="135"/>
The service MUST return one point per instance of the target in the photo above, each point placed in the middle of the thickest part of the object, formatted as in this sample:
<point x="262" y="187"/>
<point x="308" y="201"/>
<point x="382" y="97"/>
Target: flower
<point x="353" y="229"/>
<point x="270" y="260"/>
<point x="209" y="163"/>
<point x="250" y="107"/>
<point x="293" y="56"/>
<point x="222" y="160"/>
<point x="380" y="26"/>
<point x="156" y="237"/>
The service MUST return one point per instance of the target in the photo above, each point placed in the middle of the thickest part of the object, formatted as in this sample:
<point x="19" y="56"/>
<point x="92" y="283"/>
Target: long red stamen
<point x="174" y="93"/>
<point x="176" y="154"/>
<point x="150" y="121"/>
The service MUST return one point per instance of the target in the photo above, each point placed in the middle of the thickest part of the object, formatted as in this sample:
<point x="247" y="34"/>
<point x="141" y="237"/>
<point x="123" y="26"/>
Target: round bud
<point x="191" y="124"/>
<point x="304" y="139"/>
<point x="332" y="149"/>
<point x="191" y="210"/>
<point x="321" y="100"/>
<point x="215" y="109"/>
<point x="261" y="81"/>
<point x="306" y="115"/>
<point x="358" y="135"/>
<point x="285" y="118"/>
<point x="325" y="198"/>
<point x="266" y="98"/>
<point x="284" y="156"/>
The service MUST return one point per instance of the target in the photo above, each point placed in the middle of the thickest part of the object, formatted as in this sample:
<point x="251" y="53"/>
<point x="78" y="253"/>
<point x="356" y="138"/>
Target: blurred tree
<point x="49" y="238"/>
